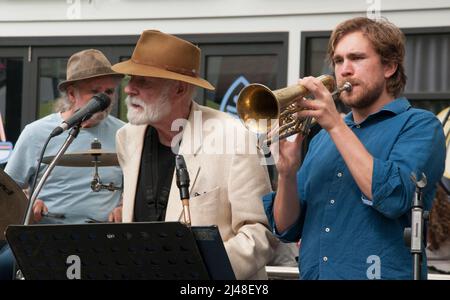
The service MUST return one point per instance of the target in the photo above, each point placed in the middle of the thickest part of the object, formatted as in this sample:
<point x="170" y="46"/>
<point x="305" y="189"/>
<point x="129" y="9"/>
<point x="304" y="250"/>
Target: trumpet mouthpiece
<point x="347" y="87"/>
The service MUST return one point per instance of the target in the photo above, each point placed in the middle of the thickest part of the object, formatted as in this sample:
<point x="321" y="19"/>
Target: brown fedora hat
<point x="86" y="64"/>
<point x="163" y="55"/>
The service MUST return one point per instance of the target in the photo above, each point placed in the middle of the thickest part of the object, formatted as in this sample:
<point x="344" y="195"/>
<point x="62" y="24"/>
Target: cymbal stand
<point x="96" y="183"/>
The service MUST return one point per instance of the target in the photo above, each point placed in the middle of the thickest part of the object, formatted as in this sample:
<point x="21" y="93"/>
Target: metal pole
<point x="417" y="226"/>
<point x="72" y="135"/>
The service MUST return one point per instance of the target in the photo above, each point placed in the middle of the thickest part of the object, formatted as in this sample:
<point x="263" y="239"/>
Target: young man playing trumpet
<point x="350" y="201"/>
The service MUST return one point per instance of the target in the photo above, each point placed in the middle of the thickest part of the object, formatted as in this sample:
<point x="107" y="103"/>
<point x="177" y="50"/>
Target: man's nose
<point x="130" y="89"/>
<point x="346" y="68"/>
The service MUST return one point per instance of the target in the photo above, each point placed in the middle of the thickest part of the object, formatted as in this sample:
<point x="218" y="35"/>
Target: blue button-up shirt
<point x="343" y="234"/>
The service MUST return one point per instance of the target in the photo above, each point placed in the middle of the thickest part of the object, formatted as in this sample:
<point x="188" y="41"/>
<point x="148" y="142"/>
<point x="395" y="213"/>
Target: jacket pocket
<point x="204" y="208"/>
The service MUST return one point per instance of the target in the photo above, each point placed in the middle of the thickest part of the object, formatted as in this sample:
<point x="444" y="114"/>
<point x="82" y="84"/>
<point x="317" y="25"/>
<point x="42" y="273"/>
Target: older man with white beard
<point x="225" y="187"/>
<point x="141" y="112"/>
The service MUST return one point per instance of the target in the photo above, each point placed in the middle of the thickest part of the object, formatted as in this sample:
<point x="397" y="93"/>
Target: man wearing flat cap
<point x="227" y="178"/>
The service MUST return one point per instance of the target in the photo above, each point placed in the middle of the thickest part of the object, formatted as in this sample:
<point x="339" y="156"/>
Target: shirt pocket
<point x="204" y="208"/>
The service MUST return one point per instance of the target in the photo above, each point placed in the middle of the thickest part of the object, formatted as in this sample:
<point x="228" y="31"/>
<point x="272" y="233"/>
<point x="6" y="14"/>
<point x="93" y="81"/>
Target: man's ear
<point x="181" y="88"/>
<point x="70" y="92"/>
<point x="390" y="69"/>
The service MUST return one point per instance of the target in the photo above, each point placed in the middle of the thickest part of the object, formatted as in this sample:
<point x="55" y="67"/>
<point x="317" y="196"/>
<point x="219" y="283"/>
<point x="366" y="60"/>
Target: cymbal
<point x="13" y="203"/>
<point x="85" y="159"/>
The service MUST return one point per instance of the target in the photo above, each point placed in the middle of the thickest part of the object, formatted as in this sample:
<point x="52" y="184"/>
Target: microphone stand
<point x="183" y="184"/>
<point x="72" y="135"/>
<point x="414" y="235"/>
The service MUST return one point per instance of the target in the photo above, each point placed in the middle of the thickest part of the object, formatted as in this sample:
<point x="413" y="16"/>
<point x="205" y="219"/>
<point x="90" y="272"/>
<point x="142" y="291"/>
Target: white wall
<point x="131" y="17"/>
<point x="40" y="10"/>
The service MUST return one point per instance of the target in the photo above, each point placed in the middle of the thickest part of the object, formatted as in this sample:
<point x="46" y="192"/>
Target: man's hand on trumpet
<point x="287" y="154"/>
<point x="322" y="108"/>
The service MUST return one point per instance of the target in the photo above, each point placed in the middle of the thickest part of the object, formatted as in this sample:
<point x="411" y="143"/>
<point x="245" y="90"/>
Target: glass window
<point x="11" y="71"/>
<point x="316" y="53"/>
<point x="427" y="63"/>
<point x="427" y="66"/>
<point x="122" y="95"/>
<point x="52" y="71"/>
<point x="229" y="74"/>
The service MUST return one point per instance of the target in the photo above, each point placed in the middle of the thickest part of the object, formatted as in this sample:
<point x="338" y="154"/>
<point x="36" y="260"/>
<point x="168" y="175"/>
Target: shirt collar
<point x="396" y="106"/>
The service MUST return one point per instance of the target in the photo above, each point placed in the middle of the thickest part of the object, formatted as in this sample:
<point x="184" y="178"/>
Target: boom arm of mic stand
<point x="72" y="135"/>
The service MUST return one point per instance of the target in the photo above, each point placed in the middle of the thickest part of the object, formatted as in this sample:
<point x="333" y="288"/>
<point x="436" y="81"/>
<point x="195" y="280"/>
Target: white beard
<point x="149" y="112"/>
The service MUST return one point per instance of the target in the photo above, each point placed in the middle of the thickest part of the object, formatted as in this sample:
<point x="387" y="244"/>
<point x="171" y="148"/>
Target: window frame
<point x="116" y="46"/>
<point x="20" y="53"/>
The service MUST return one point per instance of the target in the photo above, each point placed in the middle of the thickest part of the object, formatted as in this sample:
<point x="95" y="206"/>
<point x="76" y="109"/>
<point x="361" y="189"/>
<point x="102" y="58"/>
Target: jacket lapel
<point x="135" y="144"/>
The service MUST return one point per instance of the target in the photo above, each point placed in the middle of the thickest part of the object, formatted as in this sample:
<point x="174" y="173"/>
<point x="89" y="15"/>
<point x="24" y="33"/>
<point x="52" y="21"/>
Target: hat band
<point x="182" y="71"/>
<point x="91" y="72"/>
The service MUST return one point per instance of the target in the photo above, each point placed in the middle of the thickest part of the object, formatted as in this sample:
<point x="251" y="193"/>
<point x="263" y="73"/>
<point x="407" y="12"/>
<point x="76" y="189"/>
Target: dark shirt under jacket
<point x="155" y="179"/>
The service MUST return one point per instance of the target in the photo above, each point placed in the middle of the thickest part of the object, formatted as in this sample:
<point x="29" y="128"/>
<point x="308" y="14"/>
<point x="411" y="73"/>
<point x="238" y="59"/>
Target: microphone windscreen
<point x="103" y="99"/>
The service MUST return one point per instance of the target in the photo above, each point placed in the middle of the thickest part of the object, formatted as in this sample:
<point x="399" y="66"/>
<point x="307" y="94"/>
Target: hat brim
<point x="63" y="85"/>
<point x="129" y="67"/>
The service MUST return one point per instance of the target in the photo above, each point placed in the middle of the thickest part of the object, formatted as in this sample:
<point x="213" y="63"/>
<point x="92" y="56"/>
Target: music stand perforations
<point x="154" y="250"/>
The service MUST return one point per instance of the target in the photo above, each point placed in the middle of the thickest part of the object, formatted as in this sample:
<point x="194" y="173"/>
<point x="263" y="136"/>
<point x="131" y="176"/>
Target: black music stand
<point x="213" y="252"/>
<point x="153" y="250"/>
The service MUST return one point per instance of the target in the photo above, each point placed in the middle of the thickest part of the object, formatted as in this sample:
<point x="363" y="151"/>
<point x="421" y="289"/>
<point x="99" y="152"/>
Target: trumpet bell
<point x="274" y="113"/>
<point x="257" y="106"/>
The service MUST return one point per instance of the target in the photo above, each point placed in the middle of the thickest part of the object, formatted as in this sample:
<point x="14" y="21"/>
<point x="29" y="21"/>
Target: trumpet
<point x="258" y="107"/>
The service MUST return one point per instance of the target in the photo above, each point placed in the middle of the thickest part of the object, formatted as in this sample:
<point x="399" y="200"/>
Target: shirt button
<point x="325" y="258"/>
<point x="358" y="126"/>
<point x="332" y="201"/>
<point x="327" y="229"/>
<point x="339" y="174"/>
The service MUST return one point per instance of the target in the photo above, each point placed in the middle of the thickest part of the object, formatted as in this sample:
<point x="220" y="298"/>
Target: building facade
<point x="270" y="42"/>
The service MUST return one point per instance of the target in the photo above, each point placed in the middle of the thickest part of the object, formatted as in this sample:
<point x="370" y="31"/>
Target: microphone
<point x="99" y="102"/>
<point x="183" y="185"/>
